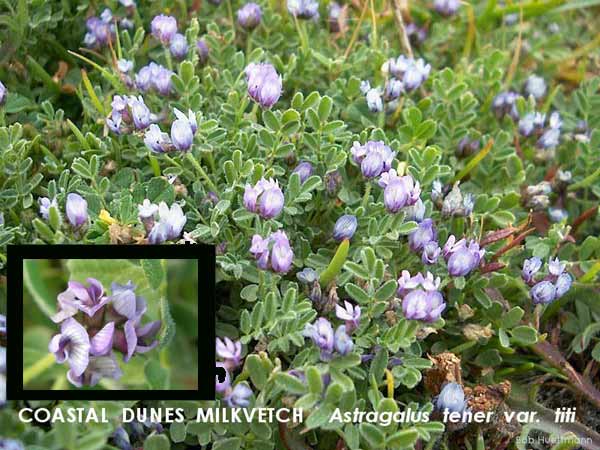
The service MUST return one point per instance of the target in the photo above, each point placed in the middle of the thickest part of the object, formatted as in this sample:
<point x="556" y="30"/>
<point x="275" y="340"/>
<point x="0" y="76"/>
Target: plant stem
<point x="201" y="172"/>
<point x="366" y="196"/>
<point x="38" y="368"/>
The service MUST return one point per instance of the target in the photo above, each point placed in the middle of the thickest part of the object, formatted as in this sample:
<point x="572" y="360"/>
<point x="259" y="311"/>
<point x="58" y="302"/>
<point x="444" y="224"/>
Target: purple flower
<point x="239" y="396"/>
<point x="140" y="112"/>
<point x="164" y="28"/>
<point x="342" y="342"/>
<point x="307" y="275"/>
<point x="350" y="314"/>
<point x="335" y="19"/>
<point x="170" y="224"/>
<point x="260" y="250"/>
<point x="451" y="398"/>
<point x="372" y="165"/>
<point x="543" y="292"/>
<point x="102" y="341"/>
<point x="413" y="73"/>
<point x="249" y="15"/>
<point x="99" y="367"/>
<point x="182" y="135"/>
<point x="462" y="258"/>
<point x="264" y="84"/>
<point x="76" y="209"/>
<point x="467" y="146"/>
<point x="222" y="386"/>
<point x="99" y="30"/>
<point x="374" y="100"/>
<point x="563" y="284"/>
<point x="531" y="123"/>
<point x="3" y="93"/>
<point x="557" y="215"/>
<point x="190" y="118"/>
<point x="406" y="283"/>
<point x="424" y="233"/>
<point x="178" y="46"/>
<point x="416" y="212"/>
<point x="423" y="305"/>
<point x="78" y="297"/>
<point x="535" y="86"/>
<point x="154" y="76"/>
<point x="203" y="50"/>
<point x="345" y="227"/>
<point x="398" y="192"/>
<point x="71" y="345"/>
<point x="264" y="198"/>
<point x="304" y="170"/>
<point x="45" y="205"/>
<point x="321" y="333"/>
<point x="530" y="268"/>
<point x="393" y="89"/>
<point x="124" y="65"/>
<point x="446" y="7"/>
<point x="230" y="351"/>
<point x="303" y="9"/>
<point x="381" y="161"/>
<point x="504" y="103"/>
<point x="431" y="253"/>
<point x="157" y="140"/>
<point x="282" y="254"/>
<point x="556" y="267"/>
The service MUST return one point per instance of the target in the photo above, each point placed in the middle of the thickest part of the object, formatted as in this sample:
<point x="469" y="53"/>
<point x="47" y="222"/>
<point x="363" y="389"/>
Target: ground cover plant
<point x="403" y="196"/>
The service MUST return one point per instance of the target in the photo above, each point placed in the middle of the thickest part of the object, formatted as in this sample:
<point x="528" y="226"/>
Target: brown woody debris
<point x="446" y="368"/>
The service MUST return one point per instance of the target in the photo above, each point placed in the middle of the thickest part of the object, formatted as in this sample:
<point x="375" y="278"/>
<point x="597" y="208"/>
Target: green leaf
<point x="357" y="293"/>
<point x="346" y="361"/>
<point x="372" y="435"/>
<point x="386" y="291"/>
<point x="314" y="380"/>
<point x="177" y="431"/>
<point x="524" y="335"/>
<point x="290" y="383"/>
<point x="157" y="376"/>
<point x="35" y="284"/>
<point x="402" y="439"/>
<point x="227" y="444"/>
<point x="154" y="269"/>
<point x="157" y="442"/>
<point x="336" y="264"/>
<point x="258" y="372"/>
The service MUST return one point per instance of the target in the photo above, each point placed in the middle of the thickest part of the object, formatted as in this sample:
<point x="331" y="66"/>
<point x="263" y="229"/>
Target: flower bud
<point x="423" y="305"/>
<point x="431" y="253"/>
<point x="264" y="84"/>
<point x="178" y="46"/>
<point x="342" y="342"/>
<point x="543" y="292"/>
<point x="451" y="398"/>
<point x="321" y="333"/>
<point x="531" y="267"/>
<point x="182" y="134"/>
<point x="45" y="205"/>
<point x="156" y="140"/>
<point x="164" y="28"/>
<point x="345" y="227"/>
<point x="203" y="50"/>
<point x="374" y="101"/>
<point x="282" y="254"/>
<point x="249" y="15"/>
<point x="424" y="234"/>
<point x="563" y="284"/>
<point x="535" y="86"/>
<point x="76" y="209"/>
<point x="3" y="94"/>
<point x="446" y="7"/>
<point x="304" y="170"/>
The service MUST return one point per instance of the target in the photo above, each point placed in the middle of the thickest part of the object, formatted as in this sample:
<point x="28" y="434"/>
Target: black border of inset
<point x="204" y="254"/>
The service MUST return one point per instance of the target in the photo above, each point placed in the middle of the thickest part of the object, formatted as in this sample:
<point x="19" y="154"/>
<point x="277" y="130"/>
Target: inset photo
<point x="93" y="325"/>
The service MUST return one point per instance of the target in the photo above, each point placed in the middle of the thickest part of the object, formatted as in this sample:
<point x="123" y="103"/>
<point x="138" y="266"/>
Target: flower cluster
<point x="411" y="72"/>
<point x="76" y="209"/>
<point x="553" y="286"/>
<point x="373" y="158"/>
<point x="265" y="198"/>
<point x="94" y="324"/>
<point x="237" y="396"/>
<point x="398" y="191"/>
<point x="303" y="9"/>
<point x="154" y="77"/>
<point x="424" y="240"/>
<point x="446" y="7"/>
<point x="249" y="15"/>
<point x="322" y="334"/>
<point x="273" y="252"/>
<point x="129" y="113"/>
<point x="264" y="84"/>
<point x="161" y="222"/>
<point x="183" y="130"/>
<point x="100" y="30"/>
<point x="462" y="257"/>
<point x="454" y="203"/>
<point x="421" y="298"/>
